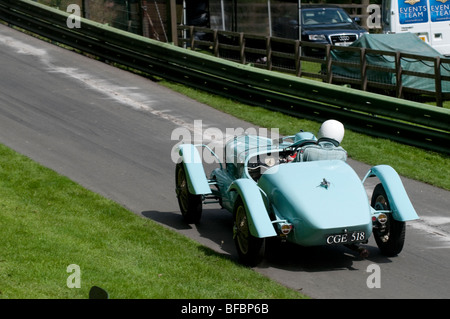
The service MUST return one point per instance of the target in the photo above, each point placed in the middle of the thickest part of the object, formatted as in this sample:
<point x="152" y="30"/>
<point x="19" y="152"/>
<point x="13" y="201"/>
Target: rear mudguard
<point x="402" y="209"/>
<point x="258" y="218"/>
<point x="195" y="173"/>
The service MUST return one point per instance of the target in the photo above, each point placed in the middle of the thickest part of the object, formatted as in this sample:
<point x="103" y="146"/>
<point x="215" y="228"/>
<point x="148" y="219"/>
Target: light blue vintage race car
<point x="274" y="190"/>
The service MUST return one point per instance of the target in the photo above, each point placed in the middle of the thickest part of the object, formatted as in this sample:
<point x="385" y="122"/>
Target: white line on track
<point x="123" y="95"/>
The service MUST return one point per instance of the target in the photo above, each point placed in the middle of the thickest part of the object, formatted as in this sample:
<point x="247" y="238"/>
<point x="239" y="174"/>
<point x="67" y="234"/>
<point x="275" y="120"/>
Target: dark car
<point x="322" y="24"/>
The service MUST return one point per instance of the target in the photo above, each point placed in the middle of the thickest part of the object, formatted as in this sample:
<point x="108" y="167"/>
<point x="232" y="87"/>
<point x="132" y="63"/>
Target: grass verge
<point x="48" y="222"/>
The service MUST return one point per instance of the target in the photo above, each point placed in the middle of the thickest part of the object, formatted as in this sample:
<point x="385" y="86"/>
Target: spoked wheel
<point x="190" y="204"/>
<point x="249" y="248"/>
<point x="391" y="238"/>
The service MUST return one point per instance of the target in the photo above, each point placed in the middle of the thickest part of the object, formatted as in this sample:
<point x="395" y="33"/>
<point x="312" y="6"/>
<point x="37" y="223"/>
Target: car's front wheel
<point x="190" y="204"/>
<point x="390" y="238"/>
<point x="250" y="248"/>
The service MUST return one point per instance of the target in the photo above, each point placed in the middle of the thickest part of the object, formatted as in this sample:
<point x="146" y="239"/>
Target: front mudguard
<point x="260" y="224"/>
<point x="401" y="206"/>
<point x="195" y="173"/>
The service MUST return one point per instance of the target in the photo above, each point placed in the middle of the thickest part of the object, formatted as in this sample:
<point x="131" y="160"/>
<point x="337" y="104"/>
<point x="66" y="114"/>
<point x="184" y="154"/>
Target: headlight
<point x="317" y="37"/>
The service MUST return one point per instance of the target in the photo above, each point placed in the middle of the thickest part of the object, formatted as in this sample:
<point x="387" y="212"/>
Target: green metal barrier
<point x="404" y="121"/>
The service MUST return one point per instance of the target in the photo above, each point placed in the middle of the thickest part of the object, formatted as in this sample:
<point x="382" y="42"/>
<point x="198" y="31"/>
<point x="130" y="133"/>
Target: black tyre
<point x="391" y="238"/>
<point x="250" y="249"/>
<point x="190" y="204"/>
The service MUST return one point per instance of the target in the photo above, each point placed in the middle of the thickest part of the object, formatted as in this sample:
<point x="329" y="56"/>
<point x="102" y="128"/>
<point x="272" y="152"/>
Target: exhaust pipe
<point x="363" y="252"/>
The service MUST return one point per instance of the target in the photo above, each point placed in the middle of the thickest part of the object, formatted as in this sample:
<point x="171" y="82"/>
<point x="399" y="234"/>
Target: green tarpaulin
<point x="403" y="42"/>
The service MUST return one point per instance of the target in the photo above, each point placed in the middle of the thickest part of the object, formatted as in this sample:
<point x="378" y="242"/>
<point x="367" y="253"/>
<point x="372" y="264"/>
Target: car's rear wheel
<point x="250" y="248"/>
<point x="390" y="238"/>
<point x="190" y="204"/>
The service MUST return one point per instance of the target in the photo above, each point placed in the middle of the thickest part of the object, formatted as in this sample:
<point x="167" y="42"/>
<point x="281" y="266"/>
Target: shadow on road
<point x="215" y="232"/>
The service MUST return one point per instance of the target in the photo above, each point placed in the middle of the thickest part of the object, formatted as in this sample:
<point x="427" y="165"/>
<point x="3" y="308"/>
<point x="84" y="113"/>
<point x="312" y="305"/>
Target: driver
<point x="329" y="138"/>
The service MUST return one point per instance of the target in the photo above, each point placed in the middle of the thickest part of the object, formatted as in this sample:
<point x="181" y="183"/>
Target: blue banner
<point x="439" y="10"/>
<point x="413" y="11"/>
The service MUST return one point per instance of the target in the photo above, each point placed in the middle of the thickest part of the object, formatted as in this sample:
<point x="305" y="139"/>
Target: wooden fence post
<point x="363" y="67"/>
<point x="85" y="9"/>
<point x="438" y="81"/>
<point x="269" y="53"/>
<point x="398" y="74"/>
<point x="216" y="43"/>
<point x="329" y="62"/>
<point x="298" y="63"/>
<point x="191" y="37"/>
<point x="172" y="21"/>
<point x="242" y="47"/>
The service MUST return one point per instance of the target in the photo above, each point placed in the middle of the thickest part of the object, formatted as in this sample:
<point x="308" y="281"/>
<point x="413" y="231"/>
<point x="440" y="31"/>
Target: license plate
<point x="346" y="238"/>
<point x="343" y="44"/>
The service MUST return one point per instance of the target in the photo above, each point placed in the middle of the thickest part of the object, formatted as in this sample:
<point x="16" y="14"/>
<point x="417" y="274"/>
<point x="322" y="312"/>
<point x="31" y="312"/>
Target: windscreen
<point x="322" y="16"/>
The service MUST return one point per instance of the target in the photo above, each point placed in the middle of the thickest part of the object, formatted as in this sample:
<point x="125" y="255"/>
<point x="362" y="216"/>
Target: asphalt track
<point x="114" y="133"/>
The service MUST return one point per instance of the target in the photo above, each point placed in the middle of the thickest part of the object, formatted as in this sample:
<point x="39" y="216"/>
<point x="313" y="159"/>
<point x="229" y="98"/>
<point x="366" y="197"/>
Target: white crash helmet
<point x="331" y="130"/>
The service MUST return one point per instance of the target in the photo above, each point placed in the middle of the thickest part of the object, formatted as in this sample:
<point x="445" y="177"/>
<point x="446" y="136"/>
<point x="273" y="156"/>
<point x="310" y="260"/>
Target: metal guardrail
<point x="404" y="121"/>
